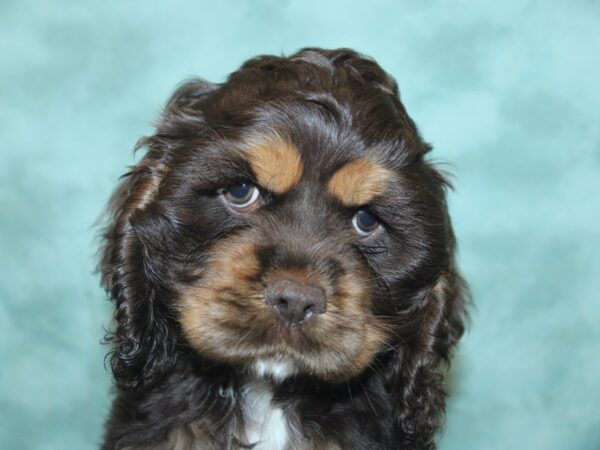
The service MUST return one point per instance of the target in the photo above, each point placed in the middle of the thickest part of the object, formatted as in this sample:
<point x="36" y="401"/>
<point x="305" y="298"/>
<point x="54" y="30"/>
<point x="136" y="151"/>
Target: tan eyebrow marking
<point x="276" y="163"/>
<point x="359" y="182"/>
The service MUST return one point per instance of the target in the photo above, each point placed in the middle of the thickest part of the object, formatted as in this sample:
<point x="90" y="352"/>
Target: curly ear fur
<point x="143" y="343"/>
<point x="415" y="380"/>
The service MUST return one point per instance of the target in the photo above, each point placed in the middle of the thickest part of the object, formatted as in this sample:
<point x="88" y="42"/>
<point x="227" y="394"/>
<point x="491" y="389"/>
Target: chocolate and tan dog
<point x="282" y="265"/>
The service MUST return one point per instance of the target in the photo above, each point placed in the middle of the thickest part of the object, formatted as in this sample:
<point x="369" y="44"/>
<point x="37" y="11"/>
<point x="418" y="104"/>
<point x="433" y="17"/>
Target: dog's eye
<point x="241" y="196"/>
<point x="364" y="222"/>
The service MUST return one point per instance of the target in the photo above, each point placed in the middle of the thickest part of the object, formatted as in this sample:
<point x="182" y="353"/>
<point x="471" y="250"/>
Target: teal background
<point x="507" y="92"/>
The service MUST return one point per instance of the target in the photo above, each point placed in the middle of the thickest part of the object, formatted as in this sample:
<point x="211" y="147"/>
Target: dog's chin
<point x="278" y="368"/>
<point x="281" y="362"/>
<point x="274" y="369"/>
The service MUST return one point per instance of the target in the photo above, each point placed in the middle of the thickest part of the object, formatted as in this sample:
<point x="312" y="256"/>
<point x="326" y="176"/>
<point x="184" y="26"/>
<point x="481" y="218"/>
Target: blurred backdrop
<point x="507" y="92"/>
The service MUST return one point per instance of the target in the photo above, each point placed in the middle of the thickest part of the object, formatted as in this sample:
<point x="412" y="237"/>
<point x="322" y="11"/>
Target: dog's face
<point x="283" y="222"/>
<point x="287" y="279"/>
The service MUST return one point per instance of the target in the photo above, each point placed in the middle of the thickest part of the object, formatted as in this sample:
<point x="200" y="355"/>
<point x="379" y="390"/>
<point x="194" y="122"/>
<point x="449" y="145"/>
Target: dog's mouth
<point x="335" y="345"/>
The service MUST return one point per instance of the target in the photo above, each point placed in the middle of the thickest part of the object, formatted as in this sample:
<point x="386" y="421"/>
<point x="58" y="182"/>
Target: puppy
<point x="282" y="266"/>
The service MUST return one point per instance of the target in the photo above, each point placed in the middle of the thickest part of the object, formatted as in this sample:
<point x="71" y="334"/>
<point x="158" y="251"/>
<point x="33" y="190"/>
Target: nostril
<point x="309" y="310"/>
<point x="281" y="304"/>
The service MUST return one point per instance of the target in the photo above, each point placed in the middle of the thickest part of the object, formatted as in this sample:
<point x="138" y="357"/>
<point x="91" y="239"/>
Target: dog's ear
<point x="143" y="343"/>
<point x="415" y="378"/>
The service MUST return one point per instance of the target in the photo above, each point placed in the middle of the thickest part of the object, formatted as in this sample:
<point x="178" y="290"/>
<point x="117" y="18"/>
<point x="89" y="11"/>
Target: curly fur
<point x="165" y="222"/>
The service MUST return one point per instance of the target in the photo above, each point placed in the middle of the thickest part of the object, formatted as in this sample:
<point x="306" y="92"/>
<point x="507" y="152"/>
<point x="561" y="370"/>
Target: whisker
<point x="367" y="397"/>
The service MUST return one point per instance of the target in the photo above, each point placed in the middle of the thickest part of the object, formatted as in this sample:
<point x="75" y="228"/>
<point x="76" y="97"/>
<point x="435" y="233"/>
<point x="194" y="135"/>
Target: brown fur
<point x="276" y="163"/>
<point x="359" y="182"/>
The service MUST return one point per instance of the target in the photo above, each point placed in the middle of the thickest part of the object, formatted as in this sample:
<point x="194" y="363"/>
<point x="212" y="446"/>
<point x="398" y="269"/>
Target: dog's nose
<point x="295" y="303"/>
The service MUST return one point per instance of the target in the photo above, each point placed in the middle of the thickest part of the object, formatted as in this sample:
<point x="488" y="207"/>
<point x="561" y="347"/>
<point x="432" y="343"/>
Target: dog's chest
<point x="265" y="424"/>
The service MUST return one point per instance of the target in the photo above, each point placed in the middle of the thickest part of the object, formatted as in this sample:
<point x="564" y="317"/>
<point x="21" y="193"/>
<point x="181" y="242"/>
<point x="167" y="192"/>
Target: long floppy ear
<point x="143" y="343"/>
<point x="415" y="380"/>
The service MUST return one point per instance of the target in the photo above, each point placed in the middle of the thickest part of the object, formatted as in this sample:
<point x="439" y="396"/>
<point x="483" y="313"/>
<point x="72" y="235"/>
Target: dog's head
<point x="284" y="221"/>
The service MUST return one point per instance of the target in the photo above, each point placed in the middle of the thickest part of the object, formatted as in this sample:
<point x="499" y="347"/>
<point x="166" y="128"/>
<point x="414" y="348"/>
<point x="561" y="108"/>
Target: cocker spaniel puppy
<point x="282" y="265"/>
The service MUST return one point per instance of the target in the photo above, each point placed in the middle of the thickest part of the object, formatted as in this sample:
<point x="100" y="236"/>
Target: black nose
<point x="295" y="303"/>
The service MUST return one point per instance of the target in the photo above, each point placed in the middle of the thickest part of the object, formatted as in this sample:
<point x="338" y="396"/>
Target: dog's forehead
<point x="351" y="150"/>
<point x="280" y="164"/>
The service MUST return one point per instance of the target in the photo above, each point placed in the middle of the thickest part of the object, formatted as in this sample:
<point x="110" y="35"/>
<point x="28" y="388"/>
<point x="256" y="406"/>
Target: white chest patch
<point x="265" y="423"/>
